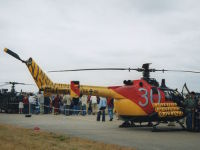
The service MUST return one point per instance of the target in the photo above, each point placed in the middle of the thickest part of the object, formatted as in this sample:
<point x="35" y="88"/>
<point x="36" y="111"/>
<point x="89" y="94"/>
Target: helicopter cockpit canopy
<point x="173" y="95"/>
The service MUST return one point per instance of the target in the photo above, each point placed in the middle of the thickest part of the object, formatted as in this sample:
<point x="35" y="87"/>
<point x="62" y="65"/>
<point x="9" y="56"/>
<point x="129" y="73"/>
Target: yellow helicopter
<point x="141" y="100"/>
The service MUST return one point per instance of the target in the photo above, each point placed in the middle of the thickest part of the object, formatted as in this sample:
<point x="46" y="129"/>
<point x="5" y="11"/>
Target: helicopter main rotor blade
<point x="4" y="82"/>
<point x="25" y="84"/>
<point x="13" y="54"/>
<point x="3" y="85"/>
<point x="16" y="83"/>
<point x="189" y="71"/>
<point x="185" y="71"/>
<point x="93" y="69"/>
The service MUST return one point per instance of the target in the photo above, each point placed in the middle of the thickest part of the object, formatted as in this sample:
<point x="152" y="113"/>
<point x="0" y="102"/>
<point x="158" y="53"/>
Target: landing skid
<point x="155" y="129"/>
<point x="131" y="124"/>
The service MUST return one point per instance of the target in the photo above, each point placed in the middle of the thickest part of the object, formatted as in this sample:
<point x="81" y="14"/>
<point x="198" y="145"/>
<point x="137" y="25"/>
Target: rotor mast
<point x="146" y="71"/>
<point x="13" y="87"/>
<point x="146" y="74"/>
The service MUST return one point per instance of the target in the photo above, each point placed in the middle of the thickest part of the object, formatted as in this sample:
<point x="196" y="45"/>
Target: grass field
<point x="16" y="138"/>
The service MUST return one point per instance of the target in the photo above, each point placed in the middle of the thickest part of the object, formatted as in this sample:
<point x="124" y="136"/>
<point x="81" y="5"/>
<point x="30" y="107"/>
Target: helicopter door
<point x="155" y="95"/>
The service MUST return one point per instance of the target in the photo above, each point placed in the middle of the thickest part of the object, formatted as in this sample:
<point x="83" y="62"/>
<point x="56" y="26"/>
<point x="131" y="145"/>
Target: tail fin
<point x="41" y="79"/>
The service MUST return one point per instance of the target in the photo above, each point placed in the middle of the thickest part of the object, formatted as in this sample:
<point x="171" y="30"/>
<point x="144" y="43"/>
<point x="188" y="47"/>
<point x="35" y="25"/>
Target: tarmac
<point x="140" y="138"/>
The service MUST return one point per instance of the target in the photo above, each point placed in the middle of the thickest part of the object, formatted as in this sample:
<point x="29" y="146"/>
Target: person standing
<point x="61" y="105"/>
<point x="76" y="105"/>
<point x="56" y="104"/>
<point x="190" y="104"/>
<point x="110" y="103"/>
<point x="197" y="116"/>
<point x="21" y="104"/>
<point x="83" y="104"/>
<point x="51" y="104"/>
<point x="89" y="104"/>
<point x="37" y="106"/>
<point x="102" y="107"/>
<point x="32" y="101"/>
<point x="94" y="104"/>
<point x="26" y="104"/>
<point x="46" y="104"/>
<point x="67" y="103"/>
<point x="71" y="108"/>
<point x="40" y="97"/>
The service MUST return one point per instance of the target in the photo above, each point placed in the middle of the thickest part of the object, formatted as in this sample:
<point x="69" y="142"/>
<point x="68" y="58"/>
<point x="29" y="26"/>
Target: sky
<point x="71" y="34"/>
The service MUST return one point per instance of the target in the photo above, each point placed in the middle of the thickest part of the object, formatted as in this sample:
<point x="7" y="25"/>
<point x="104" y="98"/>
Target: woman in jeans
<point x="110" y="103"/>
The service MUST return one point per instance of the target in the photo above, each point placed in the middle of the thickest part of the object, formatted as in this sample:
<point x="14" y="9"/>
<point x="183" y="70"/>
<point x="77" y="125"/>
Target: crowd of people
<point x="65" y="104"/>
<point x="88" y="105"/>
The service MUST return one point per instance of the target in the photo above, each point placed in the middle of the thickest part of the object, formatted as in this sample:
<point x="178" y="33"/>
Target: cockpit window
<point x="168" y="95"/>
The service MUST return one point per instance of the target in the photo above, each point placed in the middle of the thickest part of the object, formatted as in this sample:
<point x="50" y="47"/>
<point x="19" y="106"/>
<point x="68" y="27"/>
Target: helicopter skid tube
<point x="151" y="121"/>
<point x="149" y="118"/>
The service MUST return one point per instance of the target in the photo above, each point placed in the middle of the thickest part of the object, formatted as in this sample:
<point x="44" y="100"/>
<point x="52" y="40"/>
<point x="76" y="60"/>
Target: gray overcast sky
<point x="68" y="34"/>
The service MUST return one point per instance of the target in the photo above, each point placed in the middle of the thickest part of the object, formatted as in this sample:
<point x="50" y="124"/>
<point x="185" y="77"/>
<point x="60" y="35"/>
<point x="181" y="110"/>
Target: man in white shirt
<point x="32" y="101"/>
<point x="40" y="97"/>
<point x="83" y="104"/>
<point x="102" y="106"/>
<point x="94" y="104"/>
<point x="67" y="103"/>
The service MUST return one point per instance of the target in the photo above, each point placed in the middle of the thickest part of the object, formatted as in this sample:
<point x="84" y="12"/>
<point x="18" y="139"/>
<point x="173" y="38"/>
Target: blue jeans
<point x="26" y="109"/>
<point x="76" y="108"/>
<point x="83" y="110"/>
<point x="102" y="111"/>
<point x="31" y="108"/>
<point x="189" y="121"/>
<point x="46" y="109"/>
<point x="110" y="112"/>
<point x="89" y="110"/>
<point x="66" y="110"/>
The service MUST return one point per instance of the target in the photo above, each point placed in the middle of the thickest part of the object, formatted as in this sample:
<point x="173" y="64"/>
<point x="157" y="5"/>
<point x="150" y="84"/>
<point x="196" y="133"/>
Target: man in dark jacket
<point x="190" y="104"/>
<point x="46" y="104"/>
<point x="197" y="116"/>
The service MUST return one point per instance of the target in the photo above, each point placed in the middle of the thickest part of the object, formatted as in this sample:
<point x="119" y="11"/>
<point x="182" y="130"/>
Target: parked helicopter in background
<point x="136" y="101"/>
<point x="9" y="101"/>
